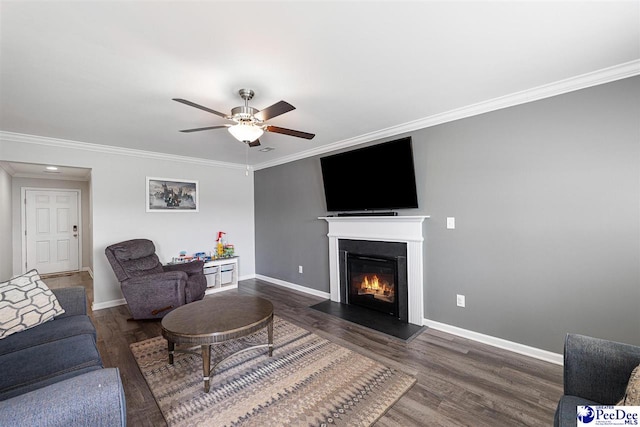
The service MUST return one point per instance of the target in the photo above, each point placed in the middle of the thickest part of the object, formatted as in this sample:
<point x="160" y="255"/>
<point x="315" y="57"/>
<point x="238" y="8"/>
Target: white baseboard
<point x="108" y="304"/>
<point x="88" y="270"/>
<point x="211" y="291"/>
<point x="122" y="301"/>
<point x="293" y="286"/>
<point x="526" y="350"/>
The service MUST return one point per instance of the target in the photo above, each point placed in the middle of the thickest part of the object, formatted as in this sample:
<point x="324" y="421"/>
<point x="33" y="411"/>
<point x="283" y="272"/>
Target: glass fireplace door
<point x="373" y="283"/>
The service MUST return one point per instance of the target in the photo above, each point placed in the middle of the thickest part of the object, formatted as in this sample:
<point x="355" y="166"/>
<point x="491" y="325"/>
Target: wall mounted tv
<point x="377" y="177"/>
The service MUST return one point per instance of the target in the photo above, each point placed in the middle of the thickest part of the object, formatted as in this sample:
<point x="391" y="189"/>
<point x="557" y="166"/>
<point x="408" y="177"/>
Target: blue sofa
<point x="52" y="374"/>
<point x="596" y="372"/>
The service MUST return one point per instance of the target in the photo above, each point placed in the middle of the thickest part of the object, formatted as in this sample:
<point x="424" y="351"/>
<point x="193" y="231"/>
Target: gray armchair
<point x="596" y="372"/>
<point x="151" y="289"/>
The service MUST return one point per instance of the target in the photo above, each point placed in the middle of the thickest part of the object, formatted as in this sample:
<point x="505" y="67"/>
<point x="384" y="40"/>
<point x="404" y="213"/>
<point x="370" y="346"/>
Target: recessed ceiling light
<point x="266" y="149"/>
<point x="51" y="168"/>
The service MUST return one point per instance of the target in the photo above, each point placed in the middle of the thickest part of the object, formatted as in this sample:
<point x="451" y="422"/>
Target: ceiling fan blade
<point x="207" y="128"/>
<point x="193" y="104"/>
<point x="290" y="132"/>
<point x="254" y="143"/>
<point x="274" y="111"/>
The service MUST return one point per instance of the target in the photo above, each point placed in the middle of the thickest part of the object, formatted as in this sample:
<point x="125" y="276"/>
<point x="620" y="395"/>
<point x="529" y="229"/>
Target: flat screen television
<point x="377" y="177"/>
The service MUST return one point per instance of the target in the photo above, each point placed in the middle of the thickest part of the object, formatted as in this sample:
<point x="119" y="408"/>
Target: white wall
<point x="118" y="193"/>
<point x="6" y="254"/>
<point x="85" y="229"/>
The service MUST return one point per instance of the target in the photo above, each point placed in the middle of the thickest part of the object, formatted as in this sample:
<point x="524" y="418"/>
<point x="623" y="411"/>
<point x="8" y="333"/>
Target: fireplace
<point x="374" y="276"/>
<point x="372" y="283"/>
<point x="405" y="230"/>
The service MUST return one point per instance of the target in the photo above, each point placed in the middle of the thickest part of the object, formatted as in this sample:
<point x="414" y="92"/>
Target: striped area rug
<point x="309" y="381"/>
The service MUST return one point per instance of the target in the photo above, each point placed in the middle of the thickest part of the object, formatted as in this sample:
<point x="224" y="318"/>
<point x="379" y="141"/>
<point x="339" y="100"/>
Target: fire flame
<point x="373" y="285"/>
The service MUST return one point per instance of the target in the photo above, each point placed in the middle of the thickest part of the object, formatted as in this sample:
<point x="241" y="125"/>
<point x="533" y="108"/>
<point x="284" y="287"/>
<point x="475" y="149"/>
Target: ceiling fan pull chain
<point x="246" y="158"/>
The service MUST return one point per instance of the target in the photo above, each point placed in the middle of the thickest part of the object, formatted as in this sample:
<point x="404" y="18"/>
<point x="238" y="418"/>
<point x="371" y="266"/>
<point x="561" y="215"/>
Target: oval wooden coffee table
<point x="214" y="320"/>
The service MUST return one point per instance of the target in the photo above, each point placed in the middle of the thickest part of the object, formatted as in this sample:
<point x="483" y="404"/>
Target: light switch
<point x="451" y="223"/>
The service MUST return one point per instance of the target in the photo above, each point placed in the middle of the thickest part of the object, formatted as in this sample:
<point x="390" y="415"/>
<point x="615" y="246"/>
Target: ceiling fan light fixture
<point x="250" y="123"/>
<point x="246" y="132"/>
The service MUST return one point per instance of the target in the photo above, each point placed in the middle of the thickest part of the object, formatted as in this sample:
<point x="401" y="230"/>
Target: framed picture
<point x="172" y="195"/>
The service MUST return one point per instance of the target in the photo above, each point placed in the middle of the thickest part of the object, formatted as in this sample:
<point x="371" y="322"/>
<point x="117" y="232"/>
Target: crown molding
<point x="107" y="149"/>
<point x="8" y="168"/>
<point x="583" y="81"/>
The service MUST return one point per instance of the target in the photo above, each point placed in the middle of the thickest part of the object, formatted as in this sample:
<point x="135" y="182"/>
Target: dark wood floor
<point x="460" y="382"/>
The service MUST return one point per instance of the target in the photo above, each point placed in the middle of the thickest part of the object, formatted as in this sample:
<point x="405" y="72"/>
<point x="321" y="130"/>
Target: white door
<point x="52" y="230"/>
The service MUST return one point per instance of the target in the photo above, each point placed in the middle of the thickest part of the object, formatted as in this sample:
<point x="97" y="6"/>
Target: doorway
<point x="51" y="226"/>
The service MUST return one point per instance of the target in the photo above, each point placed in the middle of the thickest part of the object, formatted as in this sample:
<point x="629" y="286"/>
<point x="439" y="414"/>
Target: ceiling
<point x="29" y="170"/>
<point x="105" y="72"/>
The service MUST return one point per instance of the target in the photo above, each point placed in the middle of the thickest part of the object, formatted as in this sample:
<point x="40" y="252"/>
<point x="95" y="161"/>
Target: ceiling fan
<point x="250" y="123"/>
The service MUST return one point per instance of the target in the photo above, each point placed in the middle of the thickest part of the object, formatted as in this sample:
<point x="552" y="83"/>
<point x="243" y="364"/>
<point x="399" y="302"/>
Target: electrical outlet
<point x="460" y="301"/>
<point x="300" y="269"/>
<point x="451" y="223"/>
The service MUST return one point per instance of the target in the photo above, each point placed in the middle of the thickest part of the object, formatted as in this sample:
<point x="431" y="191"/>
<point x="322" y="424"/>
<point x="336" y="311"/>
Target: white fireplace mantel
<point x="406" y="229"/>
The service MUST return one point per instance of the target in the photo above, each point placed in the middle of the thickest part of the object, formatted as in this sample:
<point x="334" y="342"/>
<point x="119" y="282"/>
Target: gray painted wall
<point x="546" y="197"/>
<point x="288" y="200"/>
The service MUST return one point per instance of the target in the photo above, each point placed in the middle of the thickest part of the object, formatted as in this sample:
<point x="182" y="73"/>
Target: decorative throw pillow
<point x="632" y="395"/>
<point x="25" y="302"/>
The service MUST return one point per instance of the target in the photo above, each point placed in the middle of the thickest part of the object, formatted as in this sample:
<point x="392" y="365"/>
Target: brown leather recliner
<point x="151" y="289"/>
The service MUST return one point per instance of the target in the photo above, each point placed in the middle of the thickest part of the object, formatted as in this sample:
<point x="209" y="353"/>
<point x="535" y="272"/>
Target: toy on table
<point x="182" y="257"/>
<point x="228" y="251"/>
<point x="220" y="244"/>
